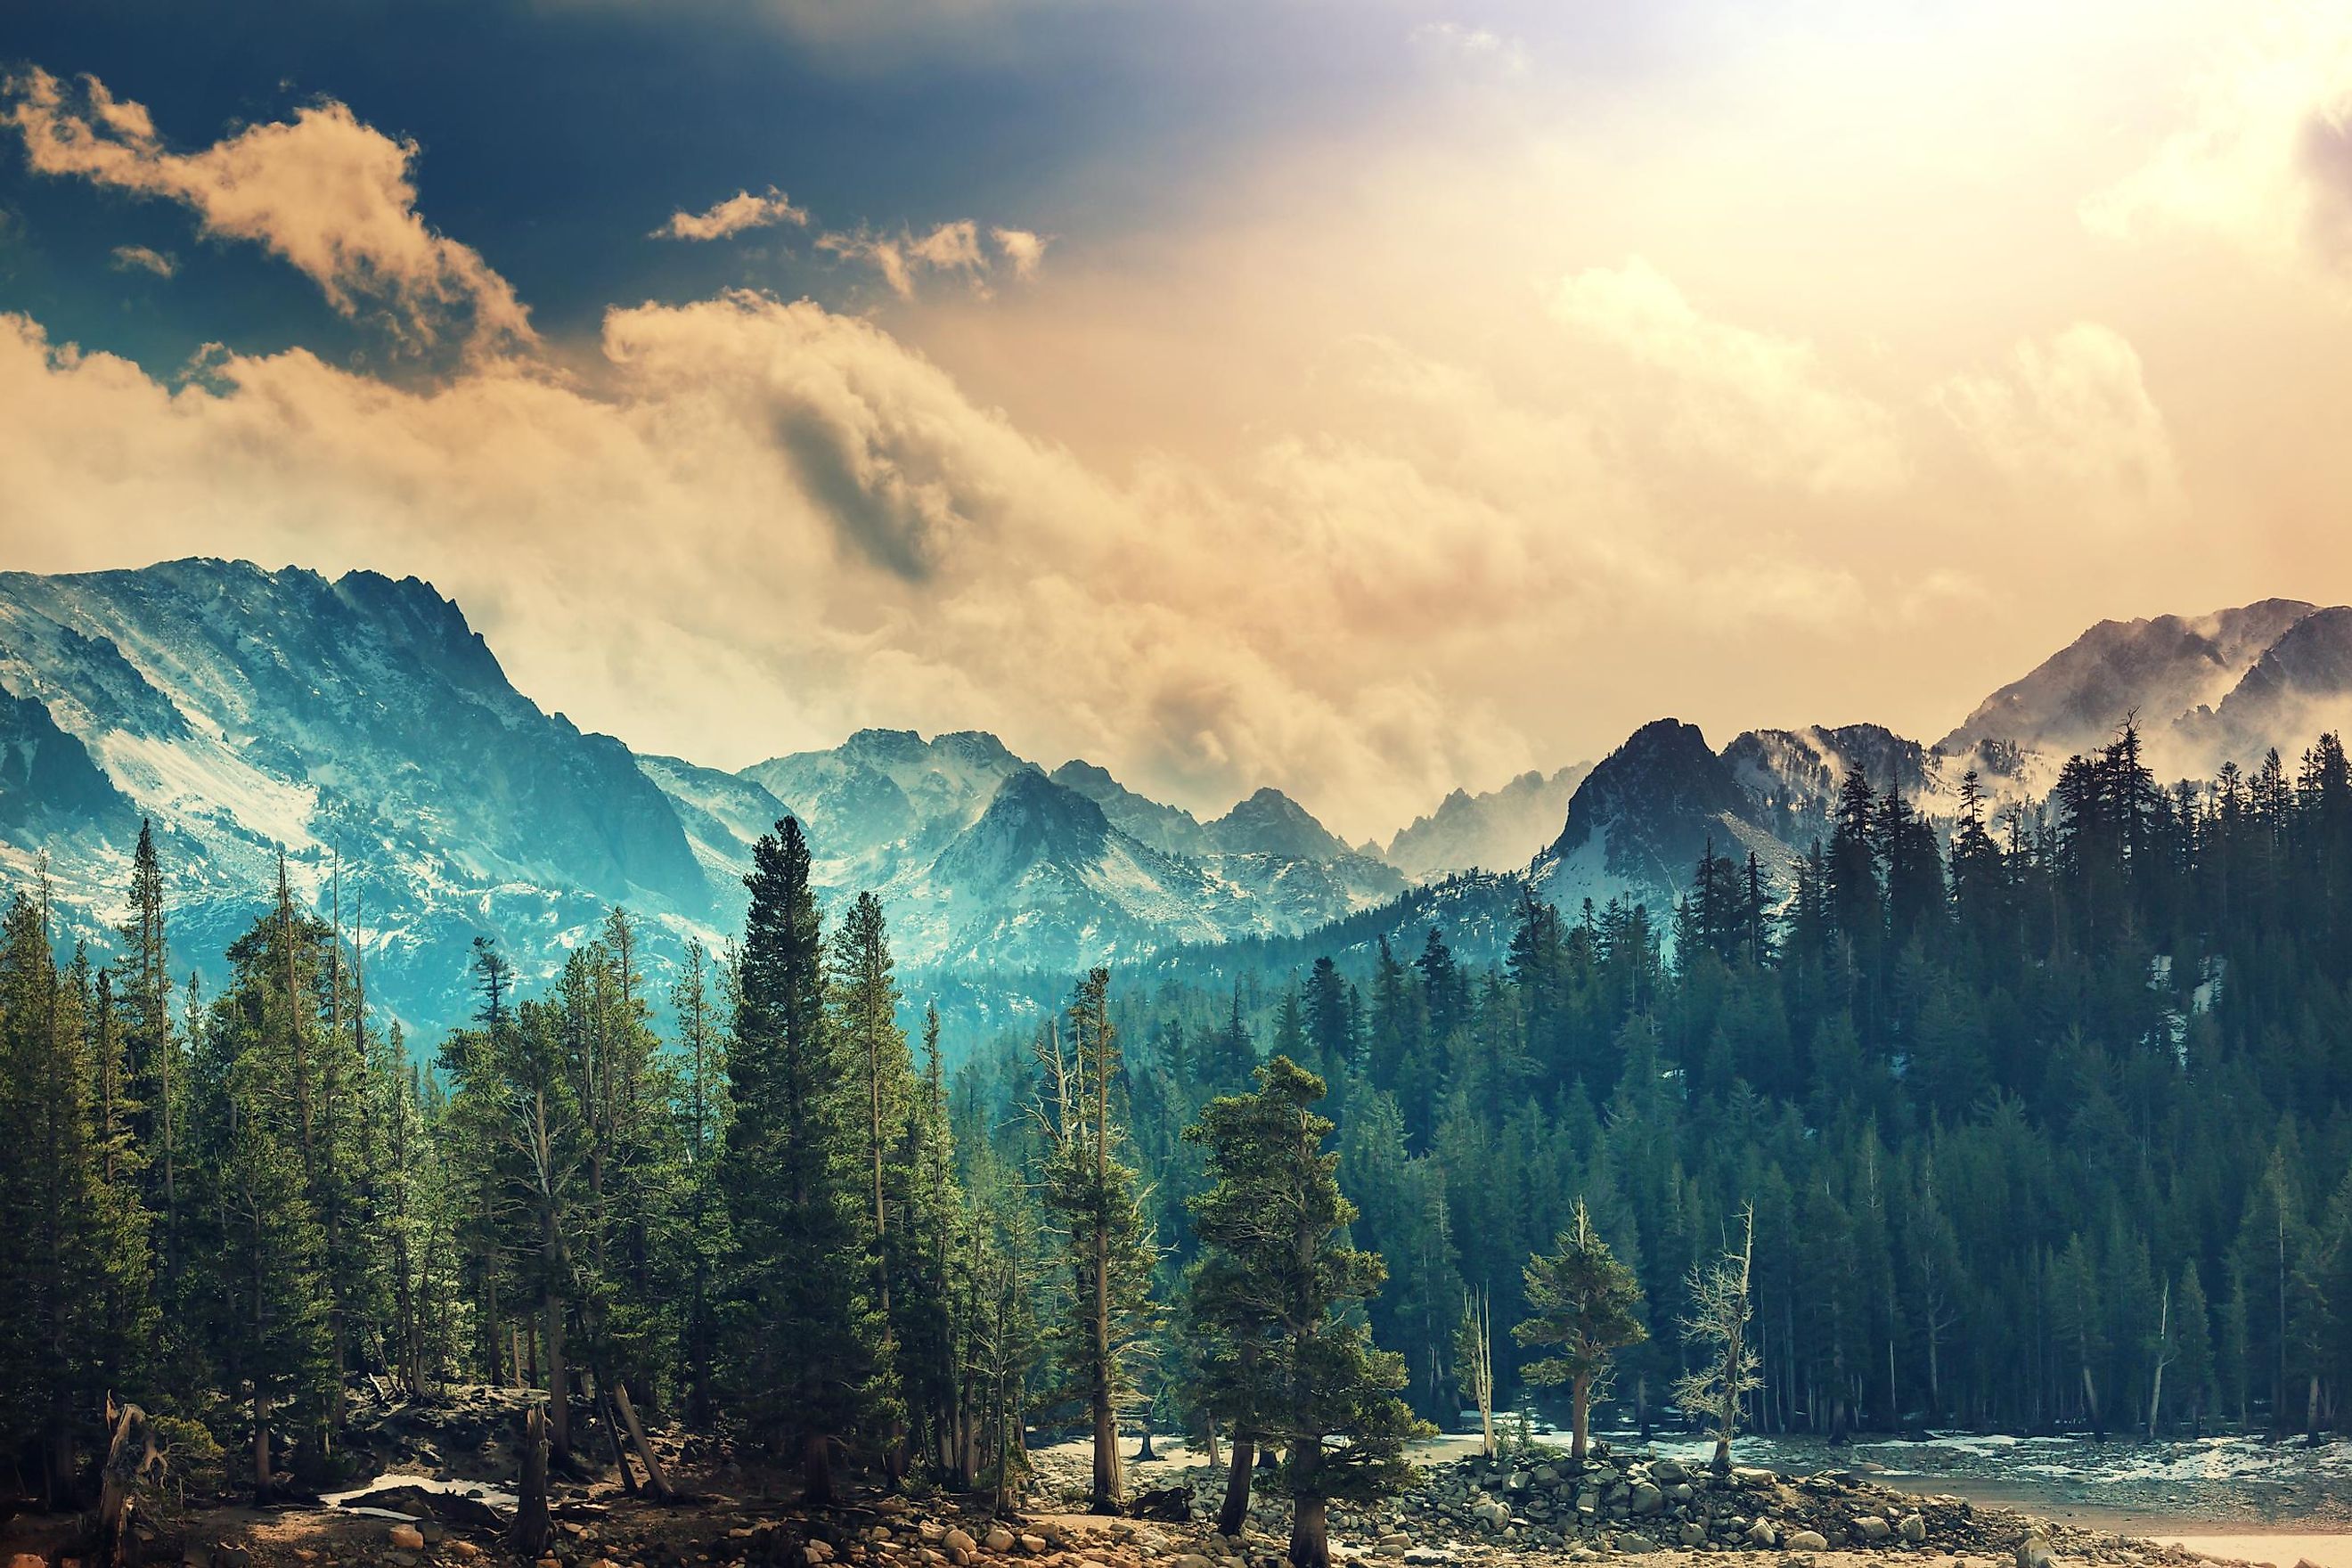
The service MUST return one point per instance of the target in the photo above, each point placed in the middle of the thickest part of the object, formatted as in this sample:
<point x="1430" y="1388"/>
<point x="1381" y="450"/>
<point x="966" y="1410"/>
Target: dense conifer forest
<point x="2034" y="1121"/>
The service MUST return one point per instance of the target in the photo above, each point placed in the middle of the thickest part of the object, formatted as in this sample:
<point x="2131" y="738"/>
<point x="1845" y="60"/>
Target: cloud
<point x="788" y="524"/>
<point x="1762" y="402"/>
<point x="332" y="197"/>
<point x="1021" y="250"/>
<point x="736" y="213"/>
<point x="140" y="258"/>
<point x="2071" y="423"/>
<point x="950" y="247"/>
<point x="2264" y="160"/>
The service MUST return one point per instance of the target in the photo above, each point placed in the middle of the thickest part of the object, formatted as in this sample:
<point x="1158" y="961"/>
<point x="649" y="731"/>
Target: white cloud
<point x="2265" y="159"/>
<point x="1762" y="402"/>
<point x="2072" y="423"/>
<point x="736" y="213"/>
<point x="140" y="258"/>
<point x="948" y="248"/>
<point x="331" y="195"/>
<point x="1023" y="249"/>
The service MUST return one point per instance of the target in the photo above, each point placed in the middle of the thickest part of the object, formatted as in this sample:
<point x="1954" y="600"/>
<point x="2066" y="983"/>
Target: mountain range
<point x="361" y="728"/>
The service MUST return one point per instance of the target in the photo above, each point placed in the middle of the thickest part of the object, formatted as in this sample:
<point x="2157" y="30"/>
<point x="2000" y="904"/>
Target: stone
<point x="1915" y="1529"/>
<point x="464" y="1551"/>
<point x="1692" y="1533"/>
<point x="1647" y="1498"/>
<point x="405" y="1538"/>
<point x="1764" y="1534"/>
<point x="1807" y="1541"/>
<point x="1032" y="1544"/>
<point x="1872" y="1527"/>
<point x="1668" y="1470"/>
<point x="957" y="1540"/>
<point x="2034" y="1551"/>
<point x="1000" y="1538"/>
<point x="29" y="1560"/>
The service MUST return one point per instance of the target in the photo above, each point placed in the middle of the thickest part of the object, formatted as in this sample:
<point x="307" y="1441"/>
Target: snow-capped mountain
<point x="1645" y="813"/>
<point x="1500" y="829"/>
<point x="362" y="727"/>
<point x="2162" y="669"/>
<point x="2223" y="687"/>
<point x="359" y="724"/>
<point x="982" y="858"/>
<point x="2301" y="686"/>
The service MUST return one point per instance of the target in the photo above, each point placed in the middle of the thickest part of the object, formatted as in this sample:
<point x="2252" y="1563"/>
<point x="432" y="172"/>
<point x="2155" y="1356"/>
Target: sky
<point x="1362" y="397"/>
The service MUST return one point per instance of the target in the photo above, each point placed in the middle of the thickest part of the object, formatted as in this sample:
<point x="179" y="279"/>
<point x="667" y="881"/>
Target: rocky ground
<point x="441" y="1503"/>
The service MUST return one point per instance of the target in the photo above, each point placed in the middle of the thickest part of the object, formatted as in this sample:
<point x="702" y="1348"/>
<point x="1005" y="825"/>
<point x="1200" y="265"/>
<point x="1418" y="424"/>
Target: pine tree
<point x="1586" y="1307"/>
<point x="1090" y="1192"/>
<point x="799" y="1323"/>
<point x="1279" y="1280"/>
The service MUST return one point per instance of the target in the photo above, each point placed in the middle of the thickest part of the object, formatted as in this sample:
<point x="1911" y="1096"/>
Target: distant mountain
<point x="1500" y="830"/>
<point x="362" y="727"/>
<point x="361" y="718"/>
<point x="2301" y="686"/>
<point x="2161" y="668"/>
<point x="1170" y="829"/>
<point x="983" y="859"/>
<point x="1645" y="813"/>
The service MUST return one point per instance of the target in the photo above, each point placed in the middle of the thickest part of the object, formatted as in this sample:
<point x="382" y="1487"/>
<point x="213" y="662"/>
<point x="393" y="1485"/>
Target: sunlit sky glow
<point x="1358" y="396"/>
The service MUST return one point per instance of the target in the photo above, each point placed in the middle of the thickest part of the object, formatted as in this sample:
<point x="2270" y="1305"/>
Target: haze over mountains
<point x="364" y="726"/>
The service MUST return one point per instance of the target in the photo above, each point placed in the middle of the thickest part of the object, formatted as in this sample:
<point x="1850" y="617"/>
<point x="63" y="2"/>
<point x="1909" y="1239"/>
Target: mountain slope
<point x="1640" y="820"/>
<point x="360" y="721"/>
<point x="1501" y="829"/>
<point x="2161" y="669"/>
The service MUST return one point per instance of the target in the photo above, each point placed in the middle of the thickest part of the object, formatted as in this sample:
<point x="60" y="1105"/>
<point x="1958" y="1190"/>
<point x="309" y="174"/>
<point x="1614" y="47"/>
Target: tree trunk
<point x="1235" y="1512"/>
<point x="125" y="1463"/>
<point x="654" y="1476"/>
<point x="1310" y="1538"/>
<point x="559" y="1376"/>
<point x="1580" y="1408"/>
<point x="816" y="1470"/>
<point x="530" y="1526"/>
<point x="260" y="1444"/>
<point x="612" y="1425"/>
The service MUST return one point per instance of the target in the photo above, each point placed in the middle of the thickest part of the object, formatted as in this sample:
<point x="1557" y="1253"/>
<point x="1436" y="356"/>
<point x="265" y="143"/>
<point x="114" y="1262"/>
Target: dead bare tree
<point x="1716" y="1327"/>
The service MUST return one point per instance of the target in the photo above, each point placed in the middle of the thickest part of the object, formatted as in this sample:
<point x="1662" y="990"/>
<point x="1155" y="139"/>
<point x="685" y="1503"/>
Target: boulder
<point x="1647" y="1498"/>
<point x="2034" y="1551"/>
<point x="1873" y="1529"/>
<point x="1807" y="1541"/>
<point x="1669" y="1471"/>
<point x="1915" y="1527"/>
<point x="1763" y="1534"/>
<point x="405" y="1538"/>
<point x="1000" y="1538"/>
<point x="957" y="1540"/>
